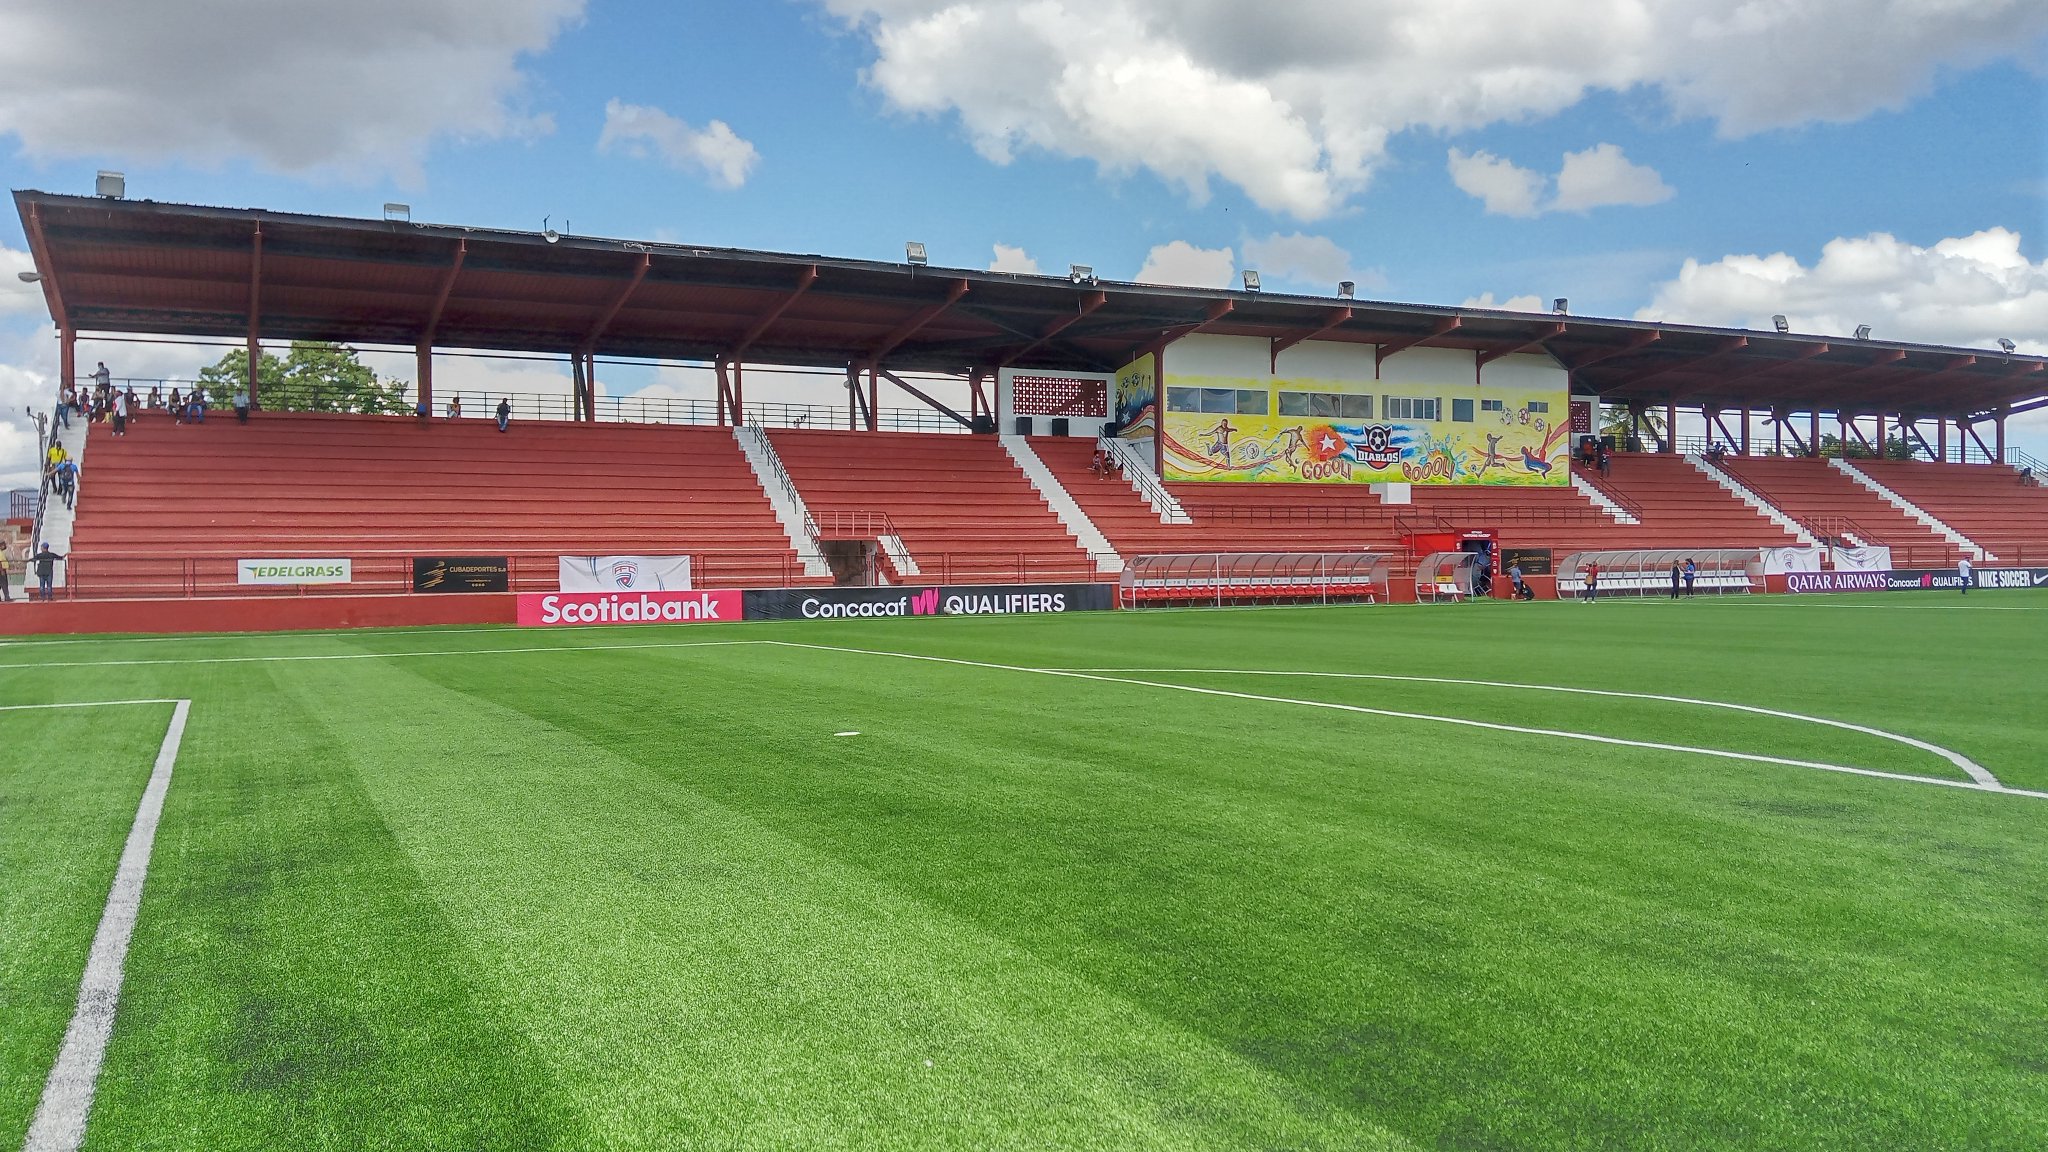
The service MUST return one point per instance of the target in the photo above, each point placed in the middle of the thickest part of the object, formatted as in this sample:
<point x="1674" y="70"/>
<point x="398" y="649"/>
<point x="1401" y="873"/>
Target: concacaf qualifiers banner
<point x="958" y="600"/>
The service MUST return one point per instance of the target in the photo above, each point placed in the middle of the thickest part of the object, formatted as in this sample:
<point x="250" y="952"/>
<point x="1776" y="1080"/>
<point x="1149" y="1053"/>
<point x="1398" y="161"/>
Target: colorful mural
<point x="1511" y="445"/>
<point x="1137" y="399"/>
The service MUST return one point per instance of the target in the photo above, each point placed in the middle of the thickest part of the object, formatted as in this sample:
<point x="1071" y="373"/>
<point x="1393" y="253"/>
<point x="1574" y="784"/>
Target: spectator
<point x="156" y="396"/>
<point x="1606" y="461"/>
<point x="1592" y="582"/>
<point x="65" y="477"/>
<point x="177" y="405"/>
<point x="504" y="413"/>
<point x="242" y="404"/>
<point x="55" y="455"/>
<point x="455" y="408"/>
<point x="67" y="399"/>
<point x="1521" y="586"/>
<point x="423" y="410"/>
<point x="1692" y="572"/>
<point x="195" y="405"/>
<point x="120" y="407"/>
<point x="1674" y="579"/>
<point x="101" y="378"/>
<point x="46" y="573"/>
<point x="1963" y="570"/>
<point x="6" y="591"/>
<point x="1099" y="463"/>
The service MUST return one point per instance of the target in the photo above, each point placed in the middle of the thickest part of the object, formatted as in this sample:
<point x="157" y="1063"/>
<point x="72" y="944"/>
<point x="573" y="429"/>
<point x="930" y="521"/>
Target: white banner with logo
<point x="624" y="573"/>
<point x="294" y="571"/>
<point x="1779" y="561"/>
<point x="1877" y="559"/>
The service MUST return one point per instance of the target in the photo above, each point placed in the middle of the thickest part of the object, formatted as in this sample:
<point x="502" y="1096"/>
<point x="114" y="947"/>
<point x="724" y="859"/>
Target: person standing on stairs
<point x="504" y="414"/>
<point x="44" y="560"/>
<point x="120" y="413"/>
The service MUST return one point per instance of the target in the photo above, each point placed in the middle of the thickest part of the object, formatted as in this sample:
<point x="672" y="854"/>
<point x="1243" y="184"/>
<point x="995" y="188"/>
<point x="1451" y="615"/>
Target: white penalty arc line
<point x="1970" y="768"/>
<point x="1587" y="737"/>
<point x="59" y="1122"/>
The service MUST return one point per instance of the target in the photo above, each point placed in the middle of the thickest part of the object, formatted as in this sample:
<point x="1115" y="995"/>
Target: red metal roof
<point x="174" y="269"/>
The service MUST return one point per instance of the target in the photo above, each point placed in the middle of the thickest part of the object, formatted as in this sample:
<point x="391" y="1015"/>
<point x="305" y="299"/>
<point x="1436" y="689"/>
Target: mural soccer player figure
<point x="1219" y="444"/>
<point x="1492" y="457"/>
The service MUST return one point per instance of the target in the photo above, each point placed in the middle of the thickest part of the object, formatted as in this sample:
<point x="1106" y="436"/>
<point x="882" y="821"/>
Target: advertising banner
<point x="1837" y="582"/>
<point x="1912" y="579"/>
<point x="959" y="600"/>
<point x="1778" y="561"/>
<point x="294" y="571"/>
<point x="557" y="609"/>
<point x="1438" y="434"/>
<point x="1534" y="561"/>
<point x="461" y="574"/>
<point x="1870" y="559"/>
<point x="624" y="573"/>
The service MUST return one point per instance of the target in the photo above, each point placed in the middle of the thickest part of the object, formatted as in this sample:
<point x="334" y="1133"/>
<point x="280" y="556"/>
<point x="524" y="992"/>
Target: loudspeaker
<point x="1109" y="428"/>
<point x="1059" y="425"/>
<point x="1023" y="425"/>
<point x="985" y="425"/>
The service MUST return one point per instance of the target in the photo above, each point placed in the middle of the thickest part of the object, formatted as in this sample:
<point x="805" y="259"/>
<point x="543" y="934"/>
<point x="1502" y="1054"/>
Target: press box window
<point x="1461" y="411"/>
<point x="1493" y="405"/>
<point x="1183" y="399"/>
<point x="1539" y="405"/>
<point x="1413" y="408"/>
<point x="1329" y="405"/>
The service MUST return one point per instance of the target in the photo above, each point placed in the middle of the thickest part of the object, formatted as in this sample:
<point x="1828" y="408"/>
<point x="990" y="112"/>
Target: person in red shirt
<point x="1592" y="582"/>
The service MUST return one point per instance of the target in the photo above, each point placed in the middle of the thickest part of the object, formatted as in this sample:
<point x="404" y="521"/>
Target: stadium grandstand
<point x="1289" y="425"/>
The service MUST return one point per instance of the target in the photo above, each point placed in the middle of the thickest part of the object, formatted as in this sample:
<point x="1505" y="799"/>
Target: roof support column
<point x="1778" y="432"/>
<point x="1159" y="410"/>
<point x="1671" y="428"/>
<point x="2001" y="437"/>
<point x="1813" y="432"/>
<point x="1745" y="429"/>
<point x="590" y="394"/>
<point x="874" y="398"/>
<point x="67" y="361"/>
<point x="255" y="314"/>
<point x="978" y="405"/>
<point x="1884" y="443"/>
<point x="1941" y="438"/>
<point x="425" y="375"/>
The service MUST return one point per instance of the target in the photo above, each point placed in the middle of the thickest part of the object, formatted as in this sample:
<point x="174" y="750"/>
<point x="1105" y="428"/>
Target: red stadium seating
<point x="1680" y="507"/>
<point x="383" y="488"/>
<point x="1985" y="502"/>
<point x="1831" y="504"/>
<point x="960" y="505"/>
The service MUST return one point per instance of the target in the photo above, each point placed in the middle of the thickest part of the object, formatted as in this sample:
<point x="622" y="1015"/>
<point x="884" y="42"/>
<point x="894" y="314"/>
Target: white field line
<point x="59" y="1123"/>
<point x="381" y="655"/>
<point x="1971" y="768"/>
<point x="83" y="704"/>
<point x="1560" y="734"/>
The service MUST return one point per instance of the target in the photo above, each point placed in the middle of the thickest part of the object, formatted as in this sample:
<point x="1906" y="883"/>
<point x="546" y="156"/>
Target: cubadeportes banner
<point x="337" y="571"/>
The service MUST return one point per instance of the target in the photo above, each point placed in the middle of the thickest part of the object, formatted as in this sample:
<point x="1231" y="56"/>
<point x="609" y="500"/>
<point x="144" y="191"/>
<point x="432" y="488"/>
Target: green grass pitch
<point x="625" y="888"/>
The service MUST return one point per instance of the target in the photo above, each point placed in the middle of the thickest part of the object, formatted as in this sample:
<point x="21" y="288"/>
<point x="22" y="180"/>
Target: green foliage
<point x="1620" y="424"/>
<point x="315" y="376"/>
<point x="1895" y="448"/>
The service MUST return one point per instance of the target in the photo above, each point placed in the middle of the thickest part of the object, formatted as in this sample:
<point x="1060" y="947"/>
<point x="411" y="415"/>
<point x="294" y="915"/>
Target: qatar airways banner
<point x="556" y="609"/>
<point x="1915" y="579"/>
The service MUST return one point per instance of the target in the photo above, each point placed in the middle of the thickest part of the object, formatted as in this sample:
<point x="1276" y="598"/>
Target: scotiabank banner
<point x="555" y="609"/>
<point x="951" y="600"/>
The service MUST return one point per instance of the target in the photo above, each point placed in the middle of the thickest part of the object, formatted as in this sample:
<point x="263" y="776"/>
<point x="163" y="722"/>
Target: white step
<point x="1755" y="501"/>
<point x="783" y="497"/>
<point x="1602" y="501"/>
<point x="1062" y="503"/>
<point x="1145" y="482"/>
<point x="1954" y="537"/>
<point x="905" y="563"/>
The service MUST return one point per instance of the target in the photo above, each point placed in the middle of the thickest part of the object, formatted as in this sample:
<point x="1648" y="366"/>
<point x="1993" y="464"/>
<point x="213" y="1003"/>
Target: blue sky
<point x="1886" y="159"/>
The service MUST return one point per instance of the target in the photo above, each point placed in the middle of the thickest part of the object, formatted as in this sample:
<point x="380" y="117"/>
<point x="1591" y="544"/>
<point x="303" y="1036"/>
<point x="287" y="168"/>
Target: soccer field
<point x="1769" y="875"/>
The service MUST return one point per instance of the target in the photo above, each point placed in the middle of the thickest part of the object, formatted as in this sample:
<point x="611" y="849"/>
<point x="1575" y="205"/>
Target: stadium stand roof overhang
<point x="185" y="270"/>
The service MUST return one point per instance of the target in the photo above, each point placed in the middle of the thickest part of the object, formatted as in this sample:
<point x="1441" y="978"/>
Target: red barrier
<point x="254" y="614"/>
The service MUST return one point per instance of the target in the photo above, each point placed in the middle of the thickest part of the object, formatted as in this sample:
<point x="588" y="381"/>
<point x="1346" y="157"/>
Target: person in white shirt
<point x="1963" y="567"/>
<point x="120" y="413"/>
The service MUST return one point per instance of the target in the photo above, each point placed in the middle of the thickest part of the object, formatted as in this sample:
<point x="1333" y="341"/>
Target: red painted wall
<point x="264" y="614"/>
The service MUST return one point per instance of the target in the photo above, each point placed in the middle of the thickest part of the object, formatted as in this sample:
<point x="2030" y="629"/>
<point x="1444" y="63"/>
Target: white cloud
<point x="365" y="88"/>
<point x="1010" y="259"/>
<point x="1602" y="177"/>
<point x="15" y="296"/>
<point x="1504" y="187"/>
<point x="1966" y="291"/>
<point x="1599" y="177"/>
<point x="1183" y="265"/>
<point x="1295" y="102"/>
<point x="1316" y="261"/>
<point x="1511" y="304"/>
<point x="715" y="150"/>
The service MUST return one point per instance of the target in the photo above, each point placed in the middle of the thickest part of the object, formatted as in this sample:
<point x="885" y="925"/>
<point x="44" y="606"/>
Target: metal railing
<point x="1592" y="476"/>
<point x="849" y="525"/>
<point x="1139" y="472"/>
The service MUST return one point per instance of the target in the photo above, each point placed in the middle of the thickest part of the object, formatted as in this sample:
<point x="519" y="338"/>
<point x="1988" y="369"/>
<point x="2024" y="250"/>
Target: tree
<point x="315" y="376"/>
<point x="1620" y="424"/>
<point x="1895" y="448"/>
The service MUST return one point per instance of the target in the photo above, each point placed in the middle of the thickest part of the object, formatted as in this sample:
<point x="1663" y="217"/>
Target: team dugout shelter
<point x="1256" y="386"/>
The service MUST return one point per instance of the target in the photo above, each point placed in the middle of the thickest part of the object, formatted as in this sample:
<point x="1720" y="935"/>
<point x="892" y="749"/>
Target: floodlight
<point x="112" y="185"/>
<point x="1560" y="306"/>
<point x="1863" y="331"/>
<point x="1781" y="324"/>
<point x="398" y="213"/>
<point x="1081" y="273"/>
<point x="1251" y="280"/>
<point x="2007" y="345"/>
<point x="548" y="233"/>
<point x="914" y="252"/>
<point x="36" y="277"/>
<point x="1346" y="289"/>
